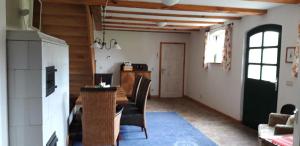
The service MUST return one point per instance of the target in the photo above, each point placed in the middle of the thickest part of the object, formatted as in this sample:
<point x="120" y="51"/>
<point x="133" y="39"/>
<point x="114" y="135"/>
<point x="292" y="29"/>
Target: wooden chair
<point x="100" y="123"/>
<point x="134" y="114"/>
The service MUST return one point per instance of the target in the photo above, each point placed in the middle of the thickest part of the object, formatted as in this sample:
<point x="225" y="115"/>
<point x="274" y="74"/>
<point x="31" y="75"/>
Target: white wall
<point x="297" y="124"/>
<point x="3" y="88"/>
<point x="138" y="47"/>
<point x="223" y="91"/>
<point x="14" y="20"/>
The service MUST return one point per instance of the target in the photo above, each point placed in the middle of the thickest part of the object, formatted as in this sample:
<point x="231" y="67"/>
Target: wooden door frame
<point x="160" y="61"/>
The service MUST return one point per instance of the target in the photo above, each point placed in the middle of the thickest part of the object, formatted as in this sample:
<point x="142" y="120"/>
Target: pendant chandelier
<point x="101" y="43"/>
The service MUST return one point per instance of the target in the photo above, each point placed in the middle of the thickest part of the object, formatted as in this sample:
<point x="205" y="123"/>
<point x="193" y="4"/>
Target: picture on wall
<point x="290" y="53"/>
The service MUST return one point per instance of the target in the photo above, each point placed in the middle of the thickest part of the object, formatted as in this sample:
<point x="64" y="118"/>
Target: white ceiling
<point x="221" y="3"/>
<point x="224" y="3"/>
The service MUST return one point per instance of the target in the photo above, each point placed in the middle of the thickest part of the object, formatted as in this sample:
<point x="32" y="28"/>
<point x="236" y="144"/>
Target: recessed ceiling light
<point x="170" y="2"/>
<point x="161" y="24"/>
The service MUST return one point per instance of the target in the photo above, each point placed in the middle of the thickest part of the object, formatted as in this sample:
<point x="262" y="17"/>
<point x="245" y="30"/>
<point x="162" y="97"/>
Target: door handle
<point x="276" y="84"/>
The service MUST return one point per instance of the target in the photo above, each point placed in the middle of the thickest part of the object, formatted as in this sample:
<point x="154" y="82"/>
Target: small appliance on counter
<point x="127" y="66"/>
<point x="140" y="67"/>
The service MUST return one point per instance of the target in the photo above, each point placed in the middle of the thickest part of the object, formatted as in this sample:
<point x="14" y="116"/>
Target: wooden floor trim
<point x="213" y="109"/>
<point x="155" y="96"/>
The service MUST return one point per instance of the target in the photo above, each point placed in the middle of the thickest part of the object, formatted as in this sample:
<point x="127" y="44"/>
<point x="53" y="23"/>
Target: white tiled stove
<point x="33" y="117"/>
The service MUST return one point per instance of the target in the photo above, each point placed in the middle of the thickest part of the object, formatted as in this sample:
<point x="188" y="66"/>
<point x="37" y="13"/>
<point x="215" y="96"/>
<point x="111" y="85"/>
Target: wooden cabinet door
<point x="127" y="81"/>
<point x="128" y="78"/>
<point x="145" y="74"/>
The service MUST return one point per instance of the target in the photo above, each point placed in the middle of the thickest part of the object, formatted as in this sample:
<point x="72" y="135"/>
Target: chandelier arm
<point x="102" y="42"/>
<point x="103" y="19"/>
<point x="106" y="47"/>
<point x="103" y="45"/>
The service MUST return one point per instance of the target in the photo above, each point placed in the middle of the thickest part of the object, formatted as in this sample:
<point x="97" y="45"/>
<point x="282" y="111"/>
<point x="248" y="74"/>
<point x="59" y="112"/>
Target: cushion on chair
<point x="265" y="131"/>
<point x="283" y="129"/>
<point x="131" y="109"/>
<point x="276" y="118"/>
<point x="290" y="120"/>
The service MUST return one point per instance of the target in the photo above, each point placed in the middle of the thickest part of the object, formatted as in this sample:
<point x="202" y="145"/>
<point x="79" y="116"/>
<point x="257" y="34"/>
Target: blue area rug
<point x="164" y="129"/>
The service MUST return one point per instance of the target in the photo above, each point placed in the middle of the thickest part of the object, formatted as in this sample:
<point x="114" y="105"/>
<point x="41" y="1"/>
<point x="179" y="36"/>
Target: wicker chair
<point x="135" y="88"/>
<point x="100" y="123"/>
<point x="134" y="114"/>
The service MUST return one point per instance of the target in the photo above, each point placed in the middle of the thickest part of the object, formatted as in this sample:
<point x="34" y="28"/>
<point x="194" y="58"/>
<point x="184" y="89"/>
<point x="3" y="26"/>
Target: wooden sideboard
<point x="127" y="79"/>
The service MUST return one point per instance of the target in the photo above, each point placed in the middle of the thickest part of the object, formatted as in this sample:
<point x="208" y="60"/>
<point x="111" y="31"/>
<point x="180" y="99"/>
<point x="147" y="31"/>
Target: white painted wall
<point x="223" y="91"/>
<point x="297" y="124"/>
<point x="3" y="88"/>
<point x="14" y="20"/>
<point x="138" y="47"/>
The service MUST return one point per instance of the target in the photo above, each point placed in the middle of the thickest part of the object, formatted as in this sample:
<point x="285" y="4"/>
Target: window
<point x="214" y="46"/>
<point x="263" y="53"/>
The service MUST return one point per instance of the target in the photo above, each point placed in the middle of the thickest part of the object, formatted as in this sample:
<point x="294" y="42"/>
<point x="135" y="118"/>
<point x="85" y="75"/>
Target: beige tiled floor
<point x="219" y="128"/>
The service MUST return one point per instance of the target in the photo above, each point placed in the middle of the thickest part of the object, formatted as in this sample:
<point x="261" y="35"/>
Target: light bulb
<point x="162" y="24"/>
<point x="117" y="46"/>
<point x="96" y="45"/>
<point x="170" y="2"/>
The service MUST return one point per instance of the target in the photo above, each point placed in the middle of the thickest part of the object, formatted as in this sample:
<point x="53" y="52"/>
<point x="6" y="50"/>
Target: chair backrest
<point x="143" y="93"/>
<point x="288" y="109"/>
<point x="135" y="88"/>
<point x="99" y="108"/>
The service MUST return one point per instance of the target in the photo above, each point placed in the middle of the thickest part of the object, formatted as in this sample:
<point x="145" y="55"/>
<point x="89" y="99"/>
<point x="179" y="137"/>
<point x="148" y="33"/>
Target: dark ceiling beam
<point x="173" y="15"/>
<point x="148" y="28"/>
<point x="153" y="25"/>
<point x="152" y="31"/>
<point x="159" y="20"/>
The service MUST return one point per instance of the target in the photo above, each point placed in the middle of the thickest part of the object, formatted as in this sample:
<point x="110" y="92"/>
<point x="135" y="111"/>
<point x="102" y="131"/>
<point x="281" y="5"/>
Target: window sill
<point x="215" y="63"/>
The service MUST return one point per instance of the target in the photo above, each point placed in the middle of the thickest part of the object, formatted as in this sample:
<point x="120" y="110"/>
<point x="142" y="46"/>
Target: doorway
<point x="172" y="68"/>
<point x="262" y="66"/>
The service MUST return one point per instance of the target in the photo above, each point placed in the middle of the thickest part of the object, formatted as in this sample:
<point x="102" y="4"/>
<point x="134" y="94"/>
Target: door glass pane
<point x="269" y="73"/>
<point x="254" y="56"/>
<point x="270" y="56"/>
<point x="254" y="72"/>
<point x="256" y="40"/>
<point x="271" y="38"/>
